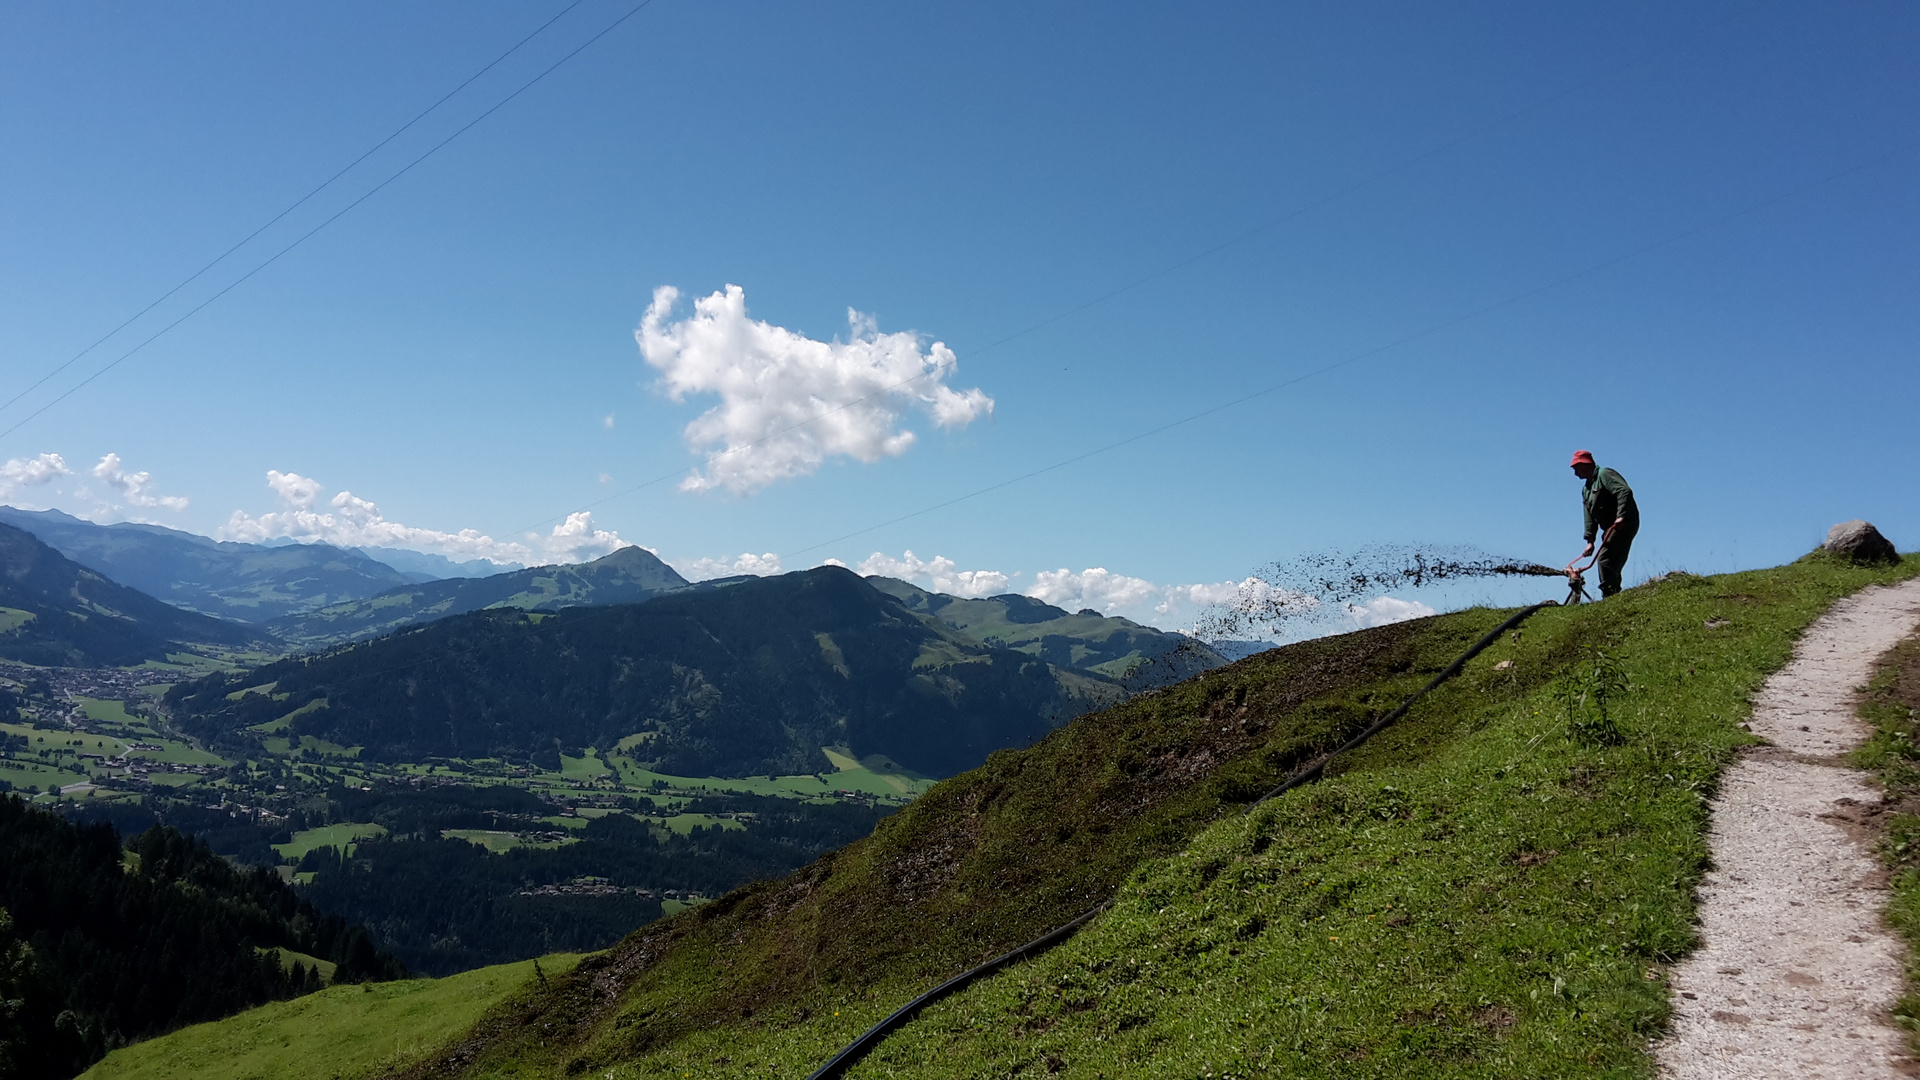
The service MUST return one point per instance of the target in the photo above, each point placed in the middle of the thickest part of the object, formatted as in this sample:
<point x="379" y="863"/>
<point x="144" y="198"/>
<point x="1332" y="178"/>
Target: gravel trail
<point x="1797" y="974"/>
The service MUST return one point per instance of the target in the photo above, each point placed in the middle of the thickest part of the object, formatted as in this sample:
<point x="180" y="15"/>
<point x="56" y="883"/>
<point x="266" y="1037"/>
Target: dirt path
<point x="1797" y="973"/>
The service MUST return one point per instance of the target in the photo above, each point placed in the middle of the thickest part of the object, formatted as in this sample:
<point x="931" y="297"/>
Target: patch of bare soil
<point x="1798" y="974"/>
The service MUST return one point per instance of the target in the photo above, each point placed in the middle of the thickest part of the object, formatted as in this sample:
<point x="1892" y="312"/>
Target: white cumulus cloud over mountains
<point x="939" y="573"/>
<point x="706" y="568"/>
<point x="352" y="521"/>
<point x="19" y="474"/>
<point x="118" y="488"/>
<point x="788" y="403"/>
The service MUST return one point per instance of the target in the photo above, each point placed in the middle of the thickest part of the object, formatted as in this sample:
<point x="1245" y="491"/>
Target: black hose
<point x="837" y="1065"/>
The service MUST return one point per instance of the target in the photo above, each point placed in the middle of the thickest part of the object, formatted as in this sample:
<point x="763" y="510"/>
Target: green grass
<point x="172" y="751"/>
<point x="500" y="842"/>
<point x="1477" y="893"/>
<point x="12" y="619"/>
<point x="280" y="724"/>
<point x="1892" y="705"/>
<point x="343" y="1032"/>
<point x="583" y="768"/>
<point x="339" y="836"/>
<point x="289" y="957"/>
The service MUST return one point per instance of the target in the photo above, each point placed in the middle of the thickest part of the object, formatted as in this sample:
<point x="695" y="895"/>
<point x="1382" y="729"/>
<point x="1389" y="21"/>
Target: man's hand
<point x="1586" y="551"/>
<point x="1617" y="522"/>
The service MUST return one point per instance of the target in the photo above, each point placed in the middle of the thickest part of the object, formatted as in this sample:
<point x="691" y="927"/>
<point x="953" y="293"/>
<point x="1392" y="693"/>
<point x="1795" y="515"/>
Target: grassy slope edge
<point x="1891" y="705"/>
<point x="342" y="1032"/>
<point x="1476" y="894"/>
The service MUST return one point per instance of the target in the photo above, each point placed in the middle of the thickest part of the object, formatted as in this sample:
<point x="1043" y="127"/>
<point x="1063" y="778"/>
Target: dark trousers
<point x="1613" y="559"/>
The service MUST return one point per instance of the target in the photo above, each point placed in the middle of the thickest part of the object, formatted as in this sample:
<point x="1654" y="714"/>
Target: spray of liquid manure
<point x="1284" y="598"/>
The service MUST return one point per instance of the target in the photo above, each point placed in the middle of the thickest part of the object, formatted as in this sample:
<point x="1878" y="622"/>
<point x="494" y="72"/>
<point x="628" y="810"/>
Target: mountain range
<point x="245" y="582"/>
<point x="54" y="611"/>
<point x="753" y="677"/>
<point x="628" y="576"/>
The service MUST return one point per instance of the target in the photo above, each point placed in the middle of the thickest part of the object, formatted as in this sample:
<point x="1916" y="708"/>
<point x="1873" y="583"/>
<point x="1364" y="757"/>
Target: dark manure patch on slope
<point x="979" y="864"/>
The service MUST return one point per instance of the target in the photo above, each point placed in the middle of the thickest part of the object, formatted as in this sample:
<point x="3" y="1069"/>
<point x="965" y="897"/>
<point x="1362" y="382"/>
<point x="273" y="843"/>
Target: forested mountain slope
<point x="101" y="945"/>
<point x="756" y="677"/>
<point x="247" y="582"/>
<point x="1114" y="647"/>
<point x="54" y="611"/>
<point x="627" y="576"/>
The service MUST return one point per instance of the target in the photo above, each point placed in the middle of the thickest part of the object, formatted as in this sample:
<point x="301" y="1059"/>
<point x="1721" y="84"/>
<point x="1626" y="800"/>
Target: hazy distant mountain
<point x="53" y="611"/>
<point x="755" y="677"/>
<point x="420" y="566"/>
<point x="1122" y="649"/>
<point x="1239" y="650"/>
<point x="249" y="582"/>
<point x="627" y="576"/>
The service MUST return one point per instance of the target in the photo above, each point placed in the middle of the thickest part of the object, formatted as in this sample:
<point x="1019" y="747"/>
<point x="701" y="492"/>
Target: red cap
<point x="1582" y="457"/>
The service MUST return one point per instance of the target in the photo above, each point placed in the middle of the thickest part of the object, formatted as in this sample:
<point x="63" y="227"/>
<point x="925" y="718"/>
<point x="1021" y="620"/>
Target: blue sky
<point x="1682" y="236"/>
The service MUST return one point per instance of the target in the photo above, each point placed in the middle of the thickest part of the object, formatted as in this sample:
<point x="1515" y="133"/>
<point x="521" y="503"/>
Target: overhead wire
<point x="1428" y="331"/>
<point x="1176" y="266"/>
<point x="309" y="234"/>
<point x="295" y="205"/>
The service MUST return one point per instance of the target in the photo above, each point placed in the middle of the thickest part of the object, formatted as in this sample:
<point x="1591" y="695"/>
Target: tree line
<point x="103" y="943"/>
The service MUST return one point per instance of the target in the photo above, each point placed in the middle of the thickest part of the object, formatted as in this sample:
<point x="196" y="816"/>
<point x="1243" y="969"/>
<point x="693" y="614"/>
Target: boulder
<point x="1861" y="542"/>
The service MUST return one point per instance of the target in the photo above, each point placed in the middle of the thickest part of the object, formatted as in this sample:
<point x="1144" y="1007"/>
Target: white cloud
<point x="294" y="490"/>
<point x="1387" y="609"/>
<point x="134" y="487"/>
<point x="608" y="422"/>
<point x="578" y="540"/>
<point x="358" y="522"/>
<point x="19" y="473"/>
<point x="788" y="402"/>
<point x="939" y="573"/>
<point x="1097" y="588"/>
<point x="748" y="563"/>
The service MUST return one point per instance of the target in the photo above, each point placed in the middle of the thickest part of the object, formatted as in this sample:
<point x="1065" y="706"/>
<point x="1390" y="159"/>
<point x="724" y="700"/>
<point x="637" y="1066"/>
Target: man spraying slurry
<point x="1609" y="506"/>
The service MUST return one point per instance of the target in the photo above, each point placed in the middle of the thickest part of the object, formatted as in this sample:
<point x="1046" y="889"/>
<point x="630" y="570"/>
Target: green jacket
<point x="1607" y="498"/>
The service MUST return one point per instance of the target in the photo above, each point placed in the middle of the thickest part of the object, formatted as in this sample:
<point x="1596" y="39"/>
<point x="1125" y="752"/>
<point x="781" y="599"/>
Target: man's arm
<point x="1623" y="505"/>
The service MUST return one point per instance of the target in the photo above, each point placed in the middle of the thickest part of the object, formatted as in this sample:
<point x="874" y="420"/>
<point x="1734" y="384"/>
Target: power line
<point x="1181" y="264"/>
<point x="1515" y="298"/>
<point x="297" y="204"/>
<point x="304" y="237"/>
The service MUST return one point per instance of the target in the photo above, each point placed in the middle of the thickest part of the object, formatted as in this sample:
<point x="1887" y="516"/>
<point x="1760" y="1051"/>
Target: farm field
<point x="345" y="1032"/>
<point x="577" y="853"/>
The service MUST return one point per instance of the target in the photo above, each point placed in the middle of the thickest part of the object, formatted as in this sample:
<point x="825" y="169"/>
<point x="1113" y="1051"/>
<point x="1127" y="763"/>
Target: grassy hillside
<point x="344" y="1032"/>
<point x="1482" y="891"/>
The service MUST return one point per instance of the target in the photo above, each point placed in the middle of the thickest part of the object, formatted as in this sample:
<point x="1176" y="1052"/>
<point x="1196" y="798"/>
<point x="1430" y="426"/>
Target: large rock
<point x="1861" y="542"/>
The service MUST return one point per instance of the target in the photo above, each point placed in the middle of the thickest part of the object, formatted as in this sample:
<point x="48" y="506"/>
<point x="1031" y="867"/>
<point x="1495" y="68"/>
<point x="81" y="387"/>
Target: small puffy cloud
<point x="789" y="402"/>
<point x="1170" y="607"/>
<point x="19" y="474"/>
<point x="578" y="540"/>
<point x="939" y="573"/>
<point x="608" y="422"/>
<point x="703" y="569"/>
<point x="1387" y="609"/>
<point x="1097" y="588"/>
<point x="294" y="490"/>
<point x="356" y="522"/>
<point x="136" y="488"/>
